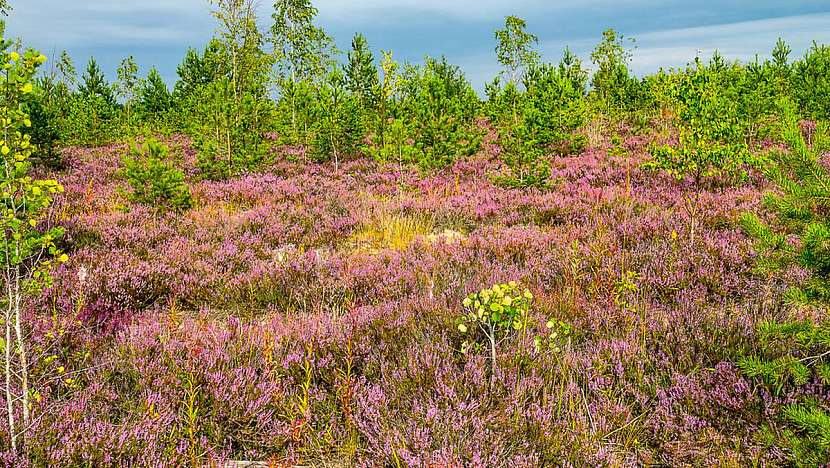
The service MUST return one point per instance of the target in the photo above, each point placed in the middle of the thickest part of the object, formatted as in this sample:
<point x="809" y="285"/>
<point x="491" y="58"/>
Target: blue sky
<point x="667" y="32"/>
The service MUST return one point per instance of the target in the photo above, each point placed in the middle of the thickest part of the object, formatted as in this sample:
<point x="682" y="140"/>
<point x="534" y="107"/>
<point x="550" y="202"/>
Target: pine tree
<point x="362" y="74"/>
<point x="791" y="357"/>
<point x="794" y="355"/>
<point x="340" y="129"/>
<point x="94" y="85"/>
<point x="197" y="69"/>
<point x="781" y="53"/>
<point x="66" y="69"/>
<point x="153" y="97"/>
<point x="802" y="206"/>
<point x="571" y="68"/>
<point x="612" y="81"/>
<point x="811" y="82"/>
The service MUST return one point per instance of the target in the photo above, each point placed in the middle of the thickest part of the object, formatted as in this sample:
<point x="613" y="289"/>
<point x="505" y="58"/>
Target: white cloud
<point x="388" y="11"/>
<point x="67" y="24"/>
<point x="737" y="41"/>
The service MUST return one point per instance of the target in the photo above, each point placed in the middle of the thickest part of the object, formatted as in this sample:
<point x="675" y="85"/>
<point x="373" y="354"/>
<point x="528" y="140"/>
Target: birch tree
<point x="28" y="249"/>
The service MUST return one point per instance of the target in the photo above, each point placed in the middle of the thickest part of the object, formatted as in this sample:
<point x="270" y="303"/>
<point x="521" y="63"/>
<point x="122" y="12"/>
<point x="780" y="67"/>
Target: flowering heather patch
<point x="255" y="326"/>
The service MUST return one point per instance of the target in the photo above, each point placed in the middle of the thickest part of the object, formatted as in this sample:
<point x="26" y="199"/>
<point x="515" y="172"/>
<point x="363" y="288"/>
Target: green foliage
<point x="90" y="121"/>
<point x="558" y="337"/>
<point x="304" y="57"/>
<point x="554" y="107"/>
<point x="362" y="79"/>
<point x="711" y="141"/>
<point x="228" y="134"/>
<point x="154" y="98"/>
<point x="571" y="68"/>
<point x="514" y="48"/>
<point x="45" y="132"/>
<point x="340" y="128"/>
<point x="28" y="252"/>
<point x="198" y="70"/>
<point x="154" y="180"/>
<point x="800" y="204"/>
<point x="48" y="108"/>
<point x="25" y="201"/>
<point x="389" y="141"/>
<point x="296" y="112"/>
<point x="492" y="315"/>
<point x="544" y="120"/>
<point x="792" y="355"/>
<point x="228" y="113"/>
<point x="94" y="86"/>
<point x="128" y="83"/>
<point x="66" y="69"/>
<point x="811" y="82"/>
<point x="439" y="107"/>
<point x="612" y="82"/>
<point x="396" y="147"/>
<point x="781" y="54"/>
<point x="303" y="50"/>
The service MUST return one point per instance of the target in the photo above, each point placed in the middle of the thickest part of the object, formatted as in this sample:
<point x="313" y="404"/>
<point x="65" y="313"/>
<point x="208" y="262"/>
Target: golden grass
<point x="391" y="231"/>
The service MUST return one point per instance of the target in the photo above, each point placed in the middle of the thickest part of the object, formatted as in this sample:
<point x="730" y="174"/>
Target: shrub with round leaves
<point x="493" y="313"/>
<point x="557" y="339"/>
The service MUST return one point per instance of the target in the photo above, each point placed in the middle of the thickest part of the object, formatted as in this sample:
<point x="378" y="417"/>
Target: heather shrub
<point x="154" y="180"/>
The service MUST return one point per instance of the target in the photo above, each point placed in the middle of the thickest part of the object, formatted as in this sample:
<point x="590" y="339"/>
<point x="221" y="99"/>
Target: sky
<point x="667" y="33"/>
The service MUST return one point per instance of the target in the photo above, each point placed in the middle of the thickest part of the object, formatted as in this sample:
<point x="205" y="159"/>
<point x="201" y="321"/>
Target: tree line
<point x="249" y="87"/>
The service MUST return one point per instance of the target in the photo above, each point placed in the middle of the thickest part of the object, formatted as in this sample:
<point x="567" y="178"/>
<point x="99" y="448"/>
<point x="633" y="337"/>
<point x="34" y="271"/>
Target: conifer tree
<point x="802" y="206"/>
<point x="153" y="95"/>
<point x="94" y="85"/>
<point x="791" y="362"/>
<point x="66" y="69"/>
<point x="340" y="128"/>
<point x="781" y="54"/>
<point x="198" y="69"/>
<point x="612" y="81"/>
<point x="361" y="73"/>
